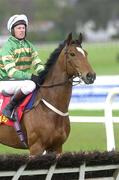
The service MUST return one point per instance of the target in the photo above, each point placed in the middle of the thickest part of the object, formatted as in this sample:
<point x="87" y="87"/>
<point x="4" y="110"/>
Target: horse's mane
<point x="50" y="62"/>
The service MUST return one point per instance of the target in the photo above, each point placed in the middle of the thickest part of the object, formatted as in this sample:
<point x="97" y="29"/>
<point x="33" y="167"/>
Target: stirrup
<point x="11" y="117"/>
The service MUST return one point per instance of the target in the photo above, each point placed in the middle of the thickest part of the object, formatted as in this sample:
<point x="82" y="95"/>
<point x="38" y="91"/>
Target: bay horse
<point x="46" y="126"/>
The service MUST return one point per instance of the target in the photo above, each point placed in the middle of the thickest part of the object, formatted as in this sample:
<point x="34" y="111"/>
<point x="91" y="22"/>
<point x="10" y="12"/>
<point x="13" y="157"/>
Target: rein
<point x="57" y="84"/>
<point x="60" y="84"/>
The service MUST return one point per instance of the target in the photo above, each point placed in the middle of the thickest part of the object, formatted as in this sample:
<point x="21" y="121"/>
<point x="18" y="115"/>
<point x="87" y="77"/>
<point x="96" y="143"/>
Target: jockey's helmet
<point x="17" y="20"/>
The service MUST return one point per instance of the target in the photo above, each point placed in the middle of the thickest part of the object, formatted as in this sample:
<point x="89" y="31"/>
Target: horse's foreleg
<point x="58" y="152"/>
<point x="36" y="149"/>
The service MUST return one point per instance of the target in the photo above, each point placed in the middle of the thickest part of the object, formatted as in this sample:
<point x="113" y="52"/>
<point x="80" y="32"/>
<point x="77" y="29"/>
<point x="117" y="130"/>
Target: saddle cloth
<point x="4" y="100"/>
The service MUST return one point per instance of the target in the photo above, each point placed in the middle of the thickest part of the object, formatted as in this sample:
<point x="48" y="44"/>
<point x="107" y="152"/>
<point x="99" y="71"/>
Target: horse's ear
<point x="80" y="39"/>
<point x="69" y="38"/>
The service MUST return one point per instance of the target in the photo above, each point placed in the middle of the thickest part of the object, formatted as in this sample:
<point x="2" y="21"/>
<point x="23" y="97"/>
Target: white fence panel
<point x="98" y="96"/>
<point x="94" y="96"/>
<point x="108" y="119"/>
<point x="53" y="170"/>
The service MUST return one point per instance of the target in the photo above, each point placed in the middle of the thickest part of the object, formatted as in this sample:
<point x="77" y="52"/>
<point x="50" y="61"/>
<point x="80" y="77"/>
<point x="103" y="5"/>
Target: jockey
<point x="18" y="57"/>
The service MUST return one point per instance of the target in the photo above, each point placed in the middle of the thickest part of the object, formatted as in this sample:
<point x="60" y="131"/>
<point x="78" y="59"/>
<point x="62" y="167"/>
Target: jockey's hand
<point x="40" y="78"/>
<point x="35" y="78"/>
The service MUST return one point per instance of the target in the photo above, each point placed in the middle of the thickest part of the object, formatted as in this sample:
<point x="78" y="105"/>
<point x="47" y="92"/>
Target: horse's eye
<point x="72" y="54"/>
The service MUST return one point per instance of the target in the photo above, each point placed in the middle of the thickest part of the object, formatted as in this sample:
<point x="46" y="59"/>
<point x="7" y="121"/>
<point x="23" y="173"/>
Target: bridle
<point x="79" y="74"/>
<point x="69" y="79"/>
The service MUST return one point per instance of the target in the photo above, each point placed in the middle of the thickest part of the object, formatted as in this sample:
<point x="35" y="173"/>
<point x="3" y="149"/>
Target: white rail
<point x="93" y="96"/>
<point x="109" y="119"/>
<point x="91" y="119"/>
<point x="53" y="170"/>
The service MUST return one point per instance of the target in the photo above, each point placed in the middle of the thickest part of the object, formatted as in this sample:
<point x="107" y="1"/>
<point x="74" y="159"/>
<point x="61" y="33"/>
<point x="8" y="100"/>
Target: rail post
<point x="108" y="119"/>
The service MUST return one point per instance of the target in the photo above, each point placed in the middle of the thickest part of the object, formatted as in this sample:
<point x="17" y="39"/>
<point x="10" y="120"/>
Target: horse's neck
<point x="58" y="96"/>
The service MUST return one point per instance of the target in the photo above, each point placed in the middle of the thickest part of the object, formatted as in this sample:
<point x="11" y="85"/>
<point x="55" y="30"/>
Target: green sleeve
<point x="36" y="61"/>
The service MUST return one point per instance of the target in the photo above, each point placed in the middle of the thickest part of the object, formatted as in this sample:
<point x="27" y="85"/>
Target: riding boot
<point x="14" y="102"/>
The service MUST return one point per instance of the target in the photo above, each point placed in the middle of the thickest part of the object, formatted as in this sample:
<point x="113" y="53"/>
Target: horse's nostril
<point x="89" y="76"/>
<point x="94" y="76"/>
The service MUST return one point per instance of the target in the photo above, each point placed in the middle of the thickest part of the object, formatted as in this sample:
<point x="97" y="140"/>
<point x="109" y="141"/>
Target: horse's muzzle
<point x="89" y="78"/>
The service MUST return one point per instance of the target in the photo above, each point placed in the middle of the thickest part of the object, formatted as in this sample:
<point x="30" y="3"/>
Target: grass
<point x="104" y="58"/>
<point x="9" y="150"/>
<point x="85" y="137"/>
<point x="89" y="137"/>
<point x="78" y="112"/>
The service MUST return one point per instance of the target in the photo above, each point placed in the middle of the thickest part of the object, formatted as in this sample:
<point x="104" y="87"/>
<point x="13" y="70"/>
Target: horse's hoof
<point x="58" y="155"/>
<point x="31" y="157"/>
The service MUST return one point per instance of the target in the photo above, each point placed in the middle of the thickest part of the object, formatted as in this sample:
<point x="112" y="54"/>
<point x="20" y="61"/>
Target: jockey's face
<point x="19" y="31"/>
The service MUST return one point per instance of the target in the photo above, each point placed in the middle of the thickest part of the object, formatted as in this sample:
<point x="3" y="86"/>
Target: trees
<point x="65" y="14"/>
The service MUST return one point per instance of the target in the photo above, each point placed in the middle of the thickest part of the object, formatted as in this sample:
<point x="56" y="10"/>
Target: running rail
<point x="15" y="175"/>
<point x="109" y="119"/>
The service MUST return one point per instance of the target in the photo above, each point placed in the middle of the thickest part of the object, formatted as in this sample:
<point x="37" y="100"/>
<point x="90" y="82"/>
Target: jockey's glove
<point x="35" y="78"/>
<point x="40" y="78"/>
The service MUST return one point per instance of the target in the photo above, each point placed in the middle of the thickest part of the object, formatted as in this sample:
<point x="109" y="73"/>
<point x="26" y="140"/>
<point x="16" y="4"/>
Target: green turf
<point x="79" y="112"/>
<point x="83" y="137"/>
<point x="104" y="57"/>
<point x="8" y="150"/>
<point x="89" y="137"/>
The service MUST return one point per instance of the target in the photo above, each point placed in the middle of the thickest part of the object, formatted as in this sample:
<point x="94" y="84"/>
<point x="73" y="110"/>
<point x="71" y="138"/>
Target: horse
<point x="46" y="126"/>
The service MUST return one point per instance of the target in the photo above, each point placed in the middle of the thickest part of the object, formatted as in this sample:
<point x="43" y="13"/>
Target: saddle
<point x="27" y="103"/>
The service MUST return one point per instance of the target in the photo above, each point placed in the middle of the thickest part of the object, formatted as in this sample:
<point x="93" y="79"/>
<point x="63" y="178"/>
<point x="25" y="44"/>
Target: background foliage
<point x="65" y="15"/>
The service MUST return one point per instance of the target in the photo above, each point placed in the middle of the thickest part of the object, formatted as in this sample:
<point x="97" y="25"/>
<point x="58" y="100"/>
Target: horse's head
<point x="77" y="60"/>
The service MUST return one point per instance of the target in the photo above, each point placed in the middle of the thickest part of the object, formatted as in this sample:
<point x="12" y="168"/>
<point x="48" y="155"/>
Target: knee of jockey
<point x="28" y="87"/>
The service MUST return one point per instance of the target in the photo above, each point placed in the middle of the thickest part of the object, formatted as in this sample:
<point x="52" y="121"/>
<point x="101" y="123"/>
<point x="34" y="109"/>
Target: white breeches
<point x="10" y="87"/>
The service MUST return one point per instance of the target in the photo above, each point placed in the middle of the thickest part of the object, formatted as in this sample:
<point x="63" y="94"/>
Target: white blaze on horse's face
<point x="80" y="50"/>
